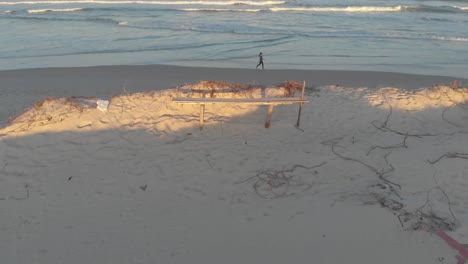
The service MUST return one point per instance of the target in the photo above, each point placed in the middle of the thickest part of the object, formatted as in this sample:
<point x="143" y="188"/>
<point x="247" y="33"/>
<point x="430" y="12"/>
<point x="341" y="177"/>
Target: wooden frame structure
<point x="271" y="102"/>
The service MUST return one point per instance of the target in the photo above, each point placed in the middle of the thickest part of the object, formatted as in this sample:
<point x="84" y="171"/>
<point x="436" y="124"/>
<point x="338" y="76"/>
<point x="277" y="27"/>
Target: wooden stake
<point x="202" y="115"/>
<point x="300" y="106"/>
<point x="268" y="119"/>
<point x="303" y="90"/>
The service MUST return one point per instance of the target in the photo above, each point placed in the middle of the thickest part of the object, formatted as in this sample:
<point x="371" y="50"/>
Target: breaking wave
<point x="341" y="9"/>
<point x="369" y="9"/>
<point x="89" y="19"/>
<point x="451" y="39"/>
<point x="34" y="11"/>
<point x="107" y="2"/>
<point x="219" y="10"/>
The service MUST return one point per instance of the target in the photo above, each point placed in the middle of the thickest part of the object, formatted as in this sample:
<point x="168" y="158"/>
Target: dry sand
<point x="21" y="88"/>
<point x="379" y="164"/>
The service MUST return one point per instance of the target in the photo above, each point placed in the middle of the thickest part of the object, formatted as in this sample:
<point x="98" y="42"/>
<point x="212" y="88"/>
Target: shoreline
<point x="22" y="88"/>
<point x="319" y="76"/>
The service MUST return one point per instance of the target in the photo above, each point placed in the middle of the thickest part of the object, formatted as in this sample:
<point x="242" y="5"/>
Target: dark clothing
<point x="260" y="62"/>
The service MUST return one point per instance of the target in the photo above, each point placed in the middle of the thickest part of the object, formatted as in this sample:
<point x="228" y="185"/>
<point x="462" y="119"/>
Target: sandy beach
<point x="21" y="88"/>
<point x="376" y="172"/>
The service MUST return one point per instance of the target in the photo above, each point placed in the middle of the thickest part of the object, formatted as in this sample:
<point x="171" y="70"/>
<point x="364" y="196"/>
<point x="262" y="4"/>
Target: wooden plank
<point x="268" y="119"/>
<point x="253" y="101"/>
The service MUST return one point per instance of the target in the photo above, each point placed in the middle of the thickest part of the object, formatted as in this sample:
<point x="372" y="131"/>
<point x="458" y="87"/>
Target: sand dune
<point x="22" y="88"/>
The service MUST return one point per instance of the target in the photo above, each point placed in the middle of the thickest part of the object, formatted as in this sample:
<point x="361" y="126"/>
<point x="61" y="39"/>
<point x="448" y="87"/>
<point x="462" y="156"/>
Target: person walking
<point x="260" y="62"/>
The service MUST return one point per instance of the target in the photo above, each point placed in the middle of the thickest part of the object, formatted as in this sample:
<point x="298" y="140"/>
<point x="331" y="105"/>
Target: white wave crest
<point x="451" y="39"/>
<point x="462" y="7"/>
<point x="251" y="3"/>
<point x="219" y="10"/>
<point x="123" y="23"/>
<point x="34" y="11"/>
<point x="341" y="9"/>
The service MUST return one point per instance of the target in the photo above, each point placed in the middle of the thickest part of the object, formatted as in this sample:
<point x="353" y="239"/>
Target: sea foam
<point x="458" y="39"/>
<point x="252" y="3"/>
<point x="219" y="10"/>
<point x="34" y="11"/>
<point x="340" y="9"/>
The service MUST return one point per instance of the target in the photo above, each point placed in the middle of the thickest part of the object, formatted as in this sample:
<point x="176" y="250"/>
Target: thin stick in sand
<point x="300" y="106"/>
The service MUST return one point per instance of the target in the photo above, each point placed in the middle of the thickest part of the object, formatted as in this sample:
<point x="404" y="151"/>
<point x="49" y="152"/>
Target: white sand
<point x="140" y="183"/>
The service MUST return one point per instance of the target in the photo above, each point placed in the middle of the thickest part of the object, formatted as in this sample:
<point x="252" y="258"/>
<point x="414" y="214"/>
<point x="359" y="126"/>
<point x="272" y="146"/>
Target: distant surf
<point x="341" y="9"/>
<point x="252" y="3"/>
<point x="358" y="9"/>
<point x="33" y="11"/>
<point x="219" y="10"/>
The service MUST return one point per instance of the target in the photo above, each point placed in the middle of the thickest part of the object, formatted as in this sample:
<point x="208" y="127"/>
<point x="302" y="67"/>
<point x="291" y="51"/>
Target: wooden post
<point x="202" y="115"/>
<point x="300" y="106"/>
<point x="303" y="90"/>
<point x="268" y="119"/>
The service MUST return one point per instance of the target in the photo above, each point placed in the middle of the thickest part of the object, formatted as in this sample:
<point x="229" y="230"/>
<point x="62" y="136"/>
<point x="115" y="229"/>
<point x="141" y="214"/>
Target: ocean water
<point x="410" y="36"/>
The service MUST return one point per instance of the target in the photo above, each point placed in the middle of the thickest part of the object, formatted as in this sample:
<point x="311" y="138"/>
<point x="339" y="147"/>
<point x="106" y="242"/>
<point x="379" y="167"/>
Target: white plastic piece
<point x="102" y="105"/>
